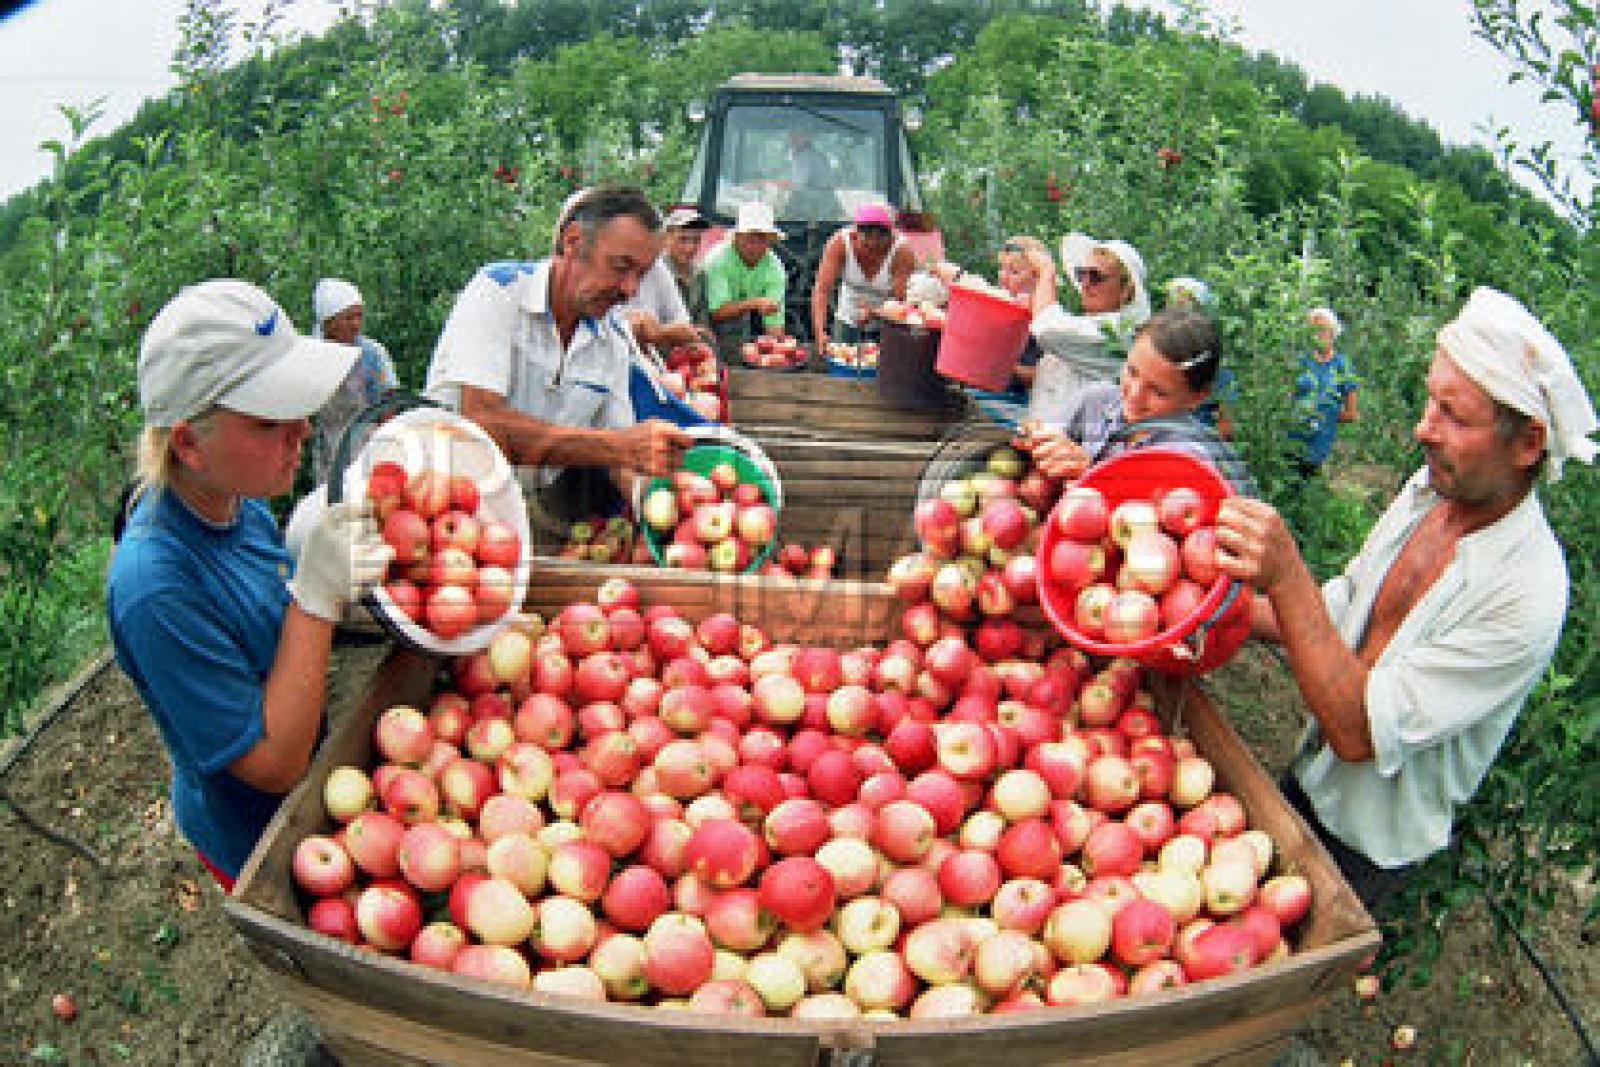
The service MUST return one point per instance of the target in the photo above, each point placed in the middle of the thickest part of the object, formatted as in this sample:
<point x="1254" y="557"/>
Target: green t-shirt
<point x="728" y="280"/>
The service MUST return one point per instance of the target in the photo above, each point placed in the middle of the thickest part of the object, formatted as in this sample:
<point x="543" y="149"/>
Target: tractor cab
<point x="813" y="148"/>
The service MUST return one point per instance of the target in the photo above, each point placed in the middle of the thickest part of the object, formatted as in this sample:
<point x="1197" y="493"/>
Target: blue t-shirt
<point x="195" y="611"/>
<point x="1320" y="389"/>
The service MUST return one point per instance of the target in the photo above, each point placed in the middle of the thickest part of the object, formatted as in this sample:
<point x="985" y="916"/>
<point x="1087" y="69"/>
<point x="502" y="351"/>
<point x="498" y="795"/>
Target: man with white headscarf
<point x="1416" y="661"/>
<point x="1077" y="351"/>
<point x="338" y="311"/>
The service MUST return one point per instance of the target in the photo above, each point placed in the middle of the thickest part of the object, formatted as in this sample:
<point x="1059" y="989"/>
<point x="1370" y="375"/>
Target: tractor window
<point x="808" y="163"/>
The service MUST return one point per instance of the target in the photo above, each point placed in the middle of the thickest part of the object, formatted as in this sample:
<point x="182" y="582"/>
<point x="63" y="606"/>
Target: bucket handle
<point x="1194" y="646"/>
<point x="391" y="404"/>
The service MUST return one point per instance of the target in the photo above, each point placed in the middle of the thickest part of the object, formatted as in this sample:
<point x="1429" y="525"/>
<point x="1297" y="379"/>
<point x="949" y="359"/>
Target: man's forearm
<point x="530" y="442"/>
<point x="1332" y="678"/>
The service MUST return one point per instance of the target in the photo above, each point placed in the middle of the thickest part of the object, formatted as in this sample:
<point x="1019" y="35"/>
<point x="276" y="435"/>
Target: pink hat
<point x="873" y="215"/>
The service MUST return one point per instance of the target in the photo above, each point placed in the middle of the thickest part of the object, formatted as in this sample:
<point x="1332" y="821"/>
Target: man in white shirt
<point x="1417" y="660"/>
<point x="538" y="353"/>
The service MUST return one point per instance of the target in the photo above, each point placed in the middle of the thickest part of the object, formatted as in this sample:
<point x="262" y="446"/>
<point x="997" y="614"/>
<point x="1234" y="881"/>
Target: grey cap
<point x="226" y="343"/>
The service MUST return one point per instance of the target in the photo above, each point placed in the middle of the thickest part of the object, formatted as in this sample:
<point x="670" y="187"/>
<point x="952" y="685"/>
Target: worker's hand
<point x="653" y="447"/>
<point x="1253" y="543"/>
<point x="1056" y="454"/>
<point x="763" y="305"/>
<point x="341" y="556"/>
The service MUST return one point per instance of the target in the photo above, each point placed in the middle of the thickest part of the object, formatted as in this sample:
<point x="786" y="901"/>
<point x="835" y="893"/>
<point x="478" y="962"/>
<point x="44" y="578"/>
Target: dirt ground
<point x="158" y="976"/>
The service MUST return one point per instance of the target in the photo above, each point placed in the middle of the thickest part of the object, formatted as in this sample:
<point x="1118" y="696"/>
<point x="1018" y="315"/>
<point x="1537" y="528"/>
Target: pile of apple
<point x="923" y="313"/>
<point x="630" y="806"/>
<point x="774" y="351"/>
<point x="602" y="540"/>
<point x="712" y="521"/>
<point x="453" y="568"/>
<point x="794" y="560"/>
<point x="977" y="541"/>
<point x="863" y="356"/>
<point x="1134" y="570"/>
<point x="695" y="377"/>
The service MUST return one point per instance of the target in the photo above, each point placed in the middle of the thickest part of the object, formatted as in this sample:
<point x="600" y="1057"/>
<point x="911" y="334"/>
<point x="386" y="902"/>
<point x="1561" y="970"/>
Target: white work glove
<point x="341" y="556"/>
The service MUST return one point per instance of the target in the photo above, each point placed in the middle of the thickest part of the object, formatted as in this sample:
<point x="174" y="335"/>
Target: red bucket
<point x="1219" y="624"/>
<point x="984" y="335"/>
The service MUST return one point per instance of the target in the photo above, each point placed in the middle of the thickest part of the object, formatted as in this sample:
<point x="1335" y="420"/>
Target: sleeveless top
<point x="856" y="289"/>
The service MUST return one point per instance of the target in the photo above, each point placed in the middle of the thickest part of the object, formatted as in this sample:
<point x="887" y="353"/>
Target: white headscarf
<point x="1076" y="248"/>
<point x="1326" y="315"/>
<point x="1513" y="358"/>
<point x="331" y="296"/>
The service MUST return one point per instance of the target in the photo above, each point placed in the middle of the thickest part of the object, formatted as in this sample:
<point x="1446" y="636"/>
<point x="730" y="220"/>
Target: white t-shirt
<point x="856" y="289"/>
<point x="1448" y="686"/>
<point x="501" y="337"/>
<point x="658" y="294"/>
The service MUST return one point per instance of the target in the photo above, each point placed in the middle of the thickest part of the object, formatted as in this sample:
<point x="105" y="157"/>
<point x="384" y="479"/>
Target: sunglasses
<point x="1011" y="246"/>
<point x="872" y="229"/>
<point x="1091" y="275"/>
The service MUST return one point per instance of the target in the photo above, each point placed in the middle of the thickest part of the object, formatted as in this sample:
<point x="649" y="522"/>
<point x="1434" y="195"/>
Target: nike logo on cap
<point x="268" y="325"/>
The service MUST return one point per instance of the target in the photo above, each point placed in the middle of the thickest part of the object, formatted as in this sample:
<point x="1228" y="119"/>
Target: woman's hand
<point x="1056" y="454"/>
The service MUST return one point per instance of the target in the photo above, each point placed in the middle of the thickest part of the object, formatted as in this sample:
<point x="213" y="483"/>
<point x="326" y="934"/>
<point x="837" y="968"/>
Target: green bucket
<point x="701" y="459"/>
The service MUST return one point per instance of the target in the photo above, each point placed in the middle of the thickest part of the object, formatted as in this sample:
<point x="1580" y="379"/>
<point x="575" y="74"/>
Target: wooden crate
<point x="767" y="404"/>
<point x="380" y="1010"/>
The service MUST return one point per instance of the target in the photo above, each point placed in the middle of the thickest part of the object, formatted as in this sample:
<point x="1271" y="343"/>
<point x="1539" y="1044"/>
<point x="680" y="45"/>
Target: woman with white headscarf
<point x="338" y="310"/>
<point x="1085" y="349"/>
<point x="1416" y="661"/>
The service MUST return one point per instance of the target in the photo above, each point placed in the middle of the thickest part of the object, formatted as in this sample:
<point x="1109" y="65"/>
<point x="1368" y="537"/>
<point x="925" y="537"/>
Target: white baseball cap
<point x="755" y="217"/>
<point x="226" y="343"/>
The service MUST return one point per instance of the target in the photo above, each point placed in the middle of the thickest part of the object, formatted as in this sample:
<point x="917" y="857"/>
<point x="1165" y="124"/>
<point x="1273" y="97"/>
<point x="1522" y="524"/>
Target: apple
<point x="1004" y="522"/>
<point x="852" y="863"/>
<point x="724" y="852"/>
<point x="914" y="893"/>
<point x="1199" y="555"/>
<point x="777" y="980"/>
<point x="454" y="529"/>
<point x="407" y="598"/>
<point x="388" y="917"/>
<point x="1181" y="510"/>
<point x="321" y="866"/>
<point x="450" y="611"/>
<point x="495" y="963"/>
<point x="1230" y="886"/>
<point x="437" y="945"/>
<point x="1078" y="931"/>
<point x="1131" y="517"/>
<point x="1218" y="950"/>
<point x="965" y="749"/>
<point x="1287" y="897"/>
<point x="1005" y="962"/>
<point x="1081" y="514"/>
<point x="1022" y="904"/>
<point x="941" y="951"/>
<point x="335" y="917"/>
<point x="520" y="860"/>
<point x="880" y="981"/>
<point x="1150" y="562"/>
<point x="430" y="857"/>
<point x="1076" y="564"/>
<point x="408" y="534"/>
<point x="1089" y="609"/>
<point x="373" y="841"/>
<point x="903" y="831"/>
<point x="737" y="920"/>
<point x="403" y="736"/>
<point x="1029" y="849"/>
<point x="1110" y="784"/>
<point x="1142" y="931"/>
<point x="1112" y="848"/>
<point x="969" y="877"/>
<point x="1192" y="779"/>
<point x="564" y="930"/>
<point x="579" y="869"/>
<point x="796" y="826"/>
<point x="346" y="793"/>
<point x="678" y="957"/>
<point x="867" y="924"/>
<point x="498" y="544"/>
<point x="411" y="796"/>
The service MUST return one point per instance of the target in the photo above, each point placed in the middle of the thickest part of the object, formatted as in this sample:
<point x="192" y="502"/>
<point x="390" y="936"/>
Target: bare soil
<point x="158" y="977"/>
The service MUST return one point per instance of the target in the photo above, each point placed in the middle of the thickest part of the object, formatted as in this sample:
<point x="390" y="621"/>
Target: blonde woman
<point x="225" y="636"/>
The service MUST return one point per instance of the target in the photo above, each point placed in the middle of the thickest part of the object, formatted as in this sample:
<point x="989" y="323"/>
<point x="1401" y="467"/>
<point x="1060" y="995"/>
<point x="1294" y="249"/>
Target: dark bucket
<point x="906" y="378"/>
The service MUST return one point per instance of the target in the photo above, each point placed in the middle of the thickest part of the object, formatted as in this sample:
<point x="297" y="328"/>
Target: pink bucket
<point x="983" y="336"/>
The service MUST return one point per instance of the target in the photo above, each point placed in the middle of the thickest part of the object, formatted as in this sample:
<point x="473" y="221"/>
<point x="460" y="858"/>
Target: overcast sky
<point x="1418" y="53"/>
